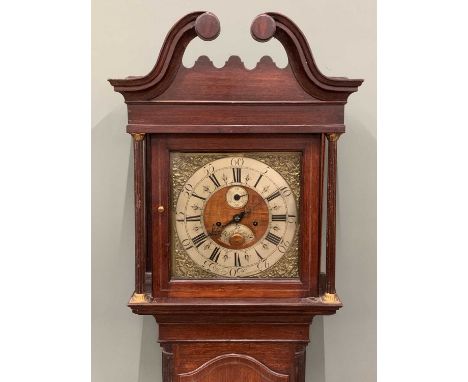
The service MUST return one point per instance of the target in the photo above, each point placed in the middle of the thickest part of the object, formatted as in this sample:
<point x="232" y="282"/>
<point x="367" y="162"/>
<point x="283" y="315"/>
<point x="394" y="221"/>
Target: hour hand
<point x="237" y="218"/>
<point x="216" y="230"/>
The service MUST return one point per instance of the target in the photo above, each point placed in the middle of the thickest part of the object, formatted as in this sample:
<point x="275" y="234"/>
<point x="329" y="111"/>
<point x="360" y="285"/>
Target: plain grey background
<point x="126" y="38"/>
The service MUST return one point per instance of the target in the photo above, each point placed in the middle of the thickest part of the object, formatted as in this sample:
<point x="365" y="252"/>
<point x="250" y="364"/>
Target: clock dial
<point x="237" y="197"/>
<point x="236" y="216"/>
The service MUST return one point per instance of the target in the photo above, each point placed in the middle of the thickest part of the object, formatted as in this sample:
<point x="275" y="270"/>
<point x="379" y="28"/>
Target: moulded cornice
<point x="265" y="26"/>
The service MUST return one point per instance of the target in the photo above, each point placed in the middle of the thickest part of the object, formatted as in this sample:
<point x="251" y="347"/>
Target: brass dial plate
<point x="264" y="243"/>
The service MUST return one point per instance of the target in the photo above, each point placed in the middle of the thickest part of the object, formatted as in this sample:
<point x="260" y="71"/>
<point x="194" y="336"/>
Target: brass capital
<point x="138" y="136"/>
<point x="139" y="298"/>
<point x="333" y="137"/>
<point x="330" y="298"/>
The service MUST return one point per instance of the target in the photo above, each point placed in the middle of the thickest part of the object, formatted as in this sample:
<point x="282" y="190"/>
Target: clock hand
<point x="237" y="196"/>
<point x="235" y="219"/>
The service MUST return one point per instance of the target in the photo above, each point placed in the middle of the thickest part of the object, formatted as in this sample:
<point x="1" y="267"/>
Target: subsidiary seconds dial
<point x="236" y="217"/>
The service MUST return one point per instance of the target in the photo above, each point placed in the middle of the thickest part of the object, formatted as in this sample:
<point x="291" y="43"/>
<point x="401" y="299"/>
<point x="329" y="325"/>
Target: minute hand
<point x="235" y="219"/>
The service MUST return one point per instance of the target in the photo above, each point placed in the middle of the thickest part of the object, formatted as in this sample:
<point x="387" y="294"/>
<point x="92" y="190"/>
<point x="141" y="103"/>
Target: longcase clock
<point x="229" y="185"/>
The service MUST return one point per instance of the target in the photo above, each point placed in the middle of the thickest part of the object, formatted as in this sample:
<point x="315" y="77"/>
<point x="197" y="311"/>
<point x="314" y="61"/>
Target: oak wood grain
<point x="233" y="367"/>
<point x="140" y="212"/>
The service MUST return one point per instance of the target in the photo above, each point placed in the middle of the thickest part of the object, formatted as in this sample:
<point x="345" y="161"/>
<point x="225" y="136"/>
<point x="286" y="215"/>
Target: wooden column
<point x="167" y="363"/>
<point x="140" y="245"/>
<point x="299" y="360"/>
<point x="330" y="291"/>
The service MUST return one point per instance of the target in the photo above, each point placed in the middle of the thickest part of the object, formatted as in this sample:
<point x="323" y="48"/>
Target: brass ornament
<point x="183" y="165"/>
<point x="139" y="298"/>
<point x="138" y="136"/>
<point x="331" y="298"/>
<point x="333" y="137"/>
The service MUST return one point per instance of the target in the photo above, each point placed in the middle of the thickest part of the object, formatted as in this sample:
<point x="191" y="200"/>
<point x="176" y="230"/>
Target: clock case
<point x="207" y="326"/>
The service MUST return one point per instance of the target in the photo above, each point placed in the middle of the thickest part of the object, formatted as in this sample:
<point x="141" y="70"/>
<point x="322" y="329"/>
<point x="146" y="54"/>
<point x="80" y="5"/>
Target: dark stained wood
<point x="263" y="28"/>
<point x="202" y="310"/>
<point x="273" y="114"/>
<point x="320" y="211"/>
<point x="160" y="221"/>
<point x="234" y="82"/>
<point x="301" y="61"/>
<point x="235" y="129"/>
<point x="149" y="255"/>
<point x="271" y="335"/>
<point x="224" y="330"/>
<point x="140" y="222"/>
<point x="238" y="367"/>
<point x="167" y="363"/>
<point x="275" y="357"/>
<point x="207" y="26"/>
<point x="257" y="332"/>
<point x="300" y="359"/>
<point x="283" y="356"/>
<point x="331" y="212"/>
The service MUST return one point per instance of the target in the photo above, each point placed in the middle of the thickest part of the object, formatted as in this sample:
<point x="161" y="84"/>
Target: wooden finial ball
<point x="263" y="28"/>
<point x="207" y="26"/>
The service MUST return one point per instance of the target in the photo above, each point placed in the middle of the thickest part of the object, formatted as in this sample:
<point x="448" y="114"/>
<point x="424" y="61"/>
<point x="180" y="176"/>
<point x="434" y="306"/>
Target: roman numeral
<point x="237" y="262"/>
<point x="214" y="180"/>
<point x="258" y="254"/>
<point x="278" y="218"/>
<point x="258" y="180"/>
<point x="272" y="238"/>
<point x="236" y="174"/>
<point x="199" y="197"/>
<point x="215" y="255"/>
<point x="273" y="196"/>
<point x="193" y="218"/>
<point x="199" y="239"/>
